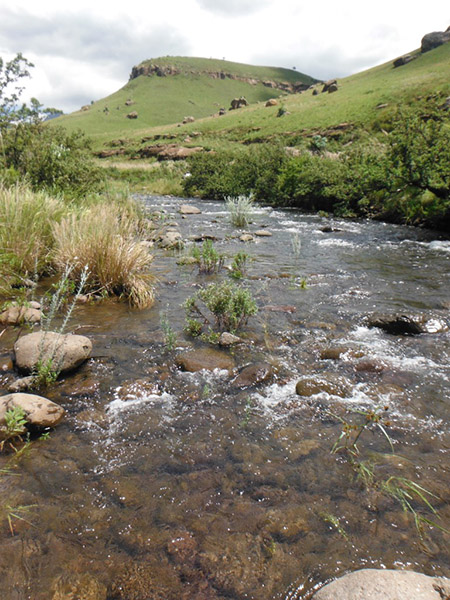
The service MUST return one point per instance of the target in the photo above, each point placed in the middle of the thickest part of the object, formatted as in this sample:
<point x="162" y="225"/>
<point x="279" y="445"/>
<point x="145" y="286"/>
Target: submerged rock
<point x="253" y="375"/>
<point x="39" y="411"/>
<point x="334" y="386"/>
<point x="65" y="352"/>
<point x="385" y="584"/>
<point x="72" y="586"/>
<point x="408" y="324"/>
<point x="205" y="358"/>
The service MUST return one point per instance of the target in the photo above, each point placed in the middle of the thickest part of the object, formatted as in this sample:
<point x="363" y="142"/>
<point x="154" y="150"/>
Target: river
<point x="166" y="484"/>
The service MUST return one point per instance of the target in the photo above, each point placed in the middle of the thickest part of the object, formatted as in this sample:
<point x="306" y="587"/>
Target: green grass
<point x="164" y="100"/>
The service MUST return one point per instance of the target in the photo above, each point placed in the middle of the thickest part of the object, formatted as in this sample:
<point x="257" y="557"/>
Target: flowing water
<point x="164" y="484"/>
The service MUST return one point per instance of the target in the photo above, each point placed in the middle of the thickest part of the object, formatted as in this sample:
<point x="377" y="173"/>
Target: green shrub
<point x="219" y="306"/>
<point x="208" y="259"/>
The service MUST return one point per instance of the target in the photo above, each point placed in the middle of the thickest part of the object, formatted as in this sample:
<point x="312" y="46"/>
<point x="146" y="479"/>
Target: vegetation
<point x="105" y="241"/>
<point x="13" y="428"/>
<point x="208" y="259"/>
<point x="414" y="498"/>
<point x="219" y="307"/>
<point x="240" y="210"/>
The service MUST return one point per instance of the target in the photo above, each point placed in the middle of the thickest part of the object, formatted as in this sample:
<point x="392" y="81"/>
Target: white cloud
<point x="87" y="51"/>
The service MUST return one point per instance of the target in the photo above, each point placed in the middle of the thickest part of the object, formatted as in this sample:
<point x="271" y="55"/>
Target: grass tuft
<point x="106" y="241"/>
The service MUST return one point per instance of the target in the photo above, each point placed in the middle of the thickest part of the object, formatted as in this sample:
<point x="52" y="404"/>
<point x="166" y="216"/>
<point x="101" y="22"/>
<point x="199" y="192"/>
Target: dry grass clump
<point x="26" y="219"/>
<point x="105" y="239"/>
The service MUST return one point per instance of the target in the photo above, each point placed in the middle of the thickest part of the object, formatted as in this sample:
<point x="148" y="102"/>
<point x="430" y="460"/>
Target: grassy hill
<point x="195" y="87"/>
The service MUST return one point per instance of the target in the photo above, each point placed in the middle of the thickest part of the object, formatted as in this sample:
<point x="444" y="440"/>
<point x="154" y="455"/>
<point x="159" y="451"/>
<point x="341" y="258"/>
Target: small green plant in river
<point x="247" y="413"/>
<point x="240" y="210"/>
<point x="296" y="243"/>
<point x="238" y="265"/>
<point x="208" y="259"/>
<point x="220" y="306"/>
<point x="14" y="427"/>
<point x="170" y="337"/>
<point x="412" y="497"/>
<point x="335" y="522"/>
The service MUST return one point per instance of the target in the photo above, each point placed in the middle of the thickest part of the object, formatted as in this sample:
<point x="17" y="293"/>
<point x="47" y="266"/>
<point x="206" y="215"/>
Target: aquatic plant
<point x="413" y="497"/>
<point x="220" y="306"/>
<point x="13" y="428"/>
<point x="208" y="259"/>
<point x="240" y="210"/>
<point x="170" y="337"/>
<point x="238" y="265"/>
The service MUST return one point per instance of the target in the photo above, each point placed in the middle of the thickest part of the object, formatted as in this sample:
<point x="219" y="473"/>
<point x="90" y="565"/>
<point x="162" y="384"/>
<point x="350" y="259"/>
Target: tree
<point x="11" y="73"/>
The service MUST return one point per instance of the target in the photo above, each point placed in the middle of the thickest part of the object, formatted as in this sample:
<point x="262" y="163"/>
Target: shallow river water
<point x="163" y="484"/>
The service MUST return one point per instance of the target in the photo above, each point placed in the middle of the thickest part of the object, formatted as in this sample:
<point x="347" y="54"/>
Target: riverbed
<point x="167" y="484"/>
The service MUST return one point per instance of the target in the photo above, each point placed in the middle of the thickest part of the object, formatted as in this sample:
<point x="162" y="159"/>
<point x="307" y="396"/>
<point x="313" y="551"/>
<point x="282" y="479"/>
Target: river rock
<point x="171" y="239"/>
<point x="205" y="358"/>
<point x="246" y="237"/>
<point x="16" y="315"/>
<point x="408" y="324"/>
<point x="334" y="386"/>
<point x="39" y="411"/>
<point x="72" y="586"/>
<point x="189" y="209"/>
<point x="21" y="385"/>
<point x="263" y="233"/>
<point x="253" y="375"/>
<point x="66" y="352"/>
<point x="228" y="339"/>
<point x="385" y="584"/>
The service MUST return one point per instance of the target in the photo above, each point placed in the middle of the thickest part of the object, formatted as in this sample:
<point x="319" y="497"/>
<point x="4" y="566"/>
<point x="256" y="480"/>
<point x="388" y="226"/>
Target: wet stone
<point x="205" y="358"/>
<point x="75" y="587"/>
<point x="333" y="353"/>
<point x="334" y="386"/>
<point x="253" y="375"/>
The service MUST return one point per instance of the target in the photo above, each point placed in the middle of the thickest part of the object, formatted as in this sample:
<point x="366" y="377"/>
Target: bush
<point x="105" y="239"/>
<point x="240" y="210"/>
<point x="220" y="306"/>
<point x="51" y="159"/>
<point x="222" y="174"/>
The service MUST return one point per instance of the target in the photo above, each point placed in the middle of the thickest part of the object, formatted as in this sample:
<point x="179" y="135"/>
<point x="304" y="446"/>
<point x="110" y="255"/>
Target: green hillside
<point x="195" y="87"/>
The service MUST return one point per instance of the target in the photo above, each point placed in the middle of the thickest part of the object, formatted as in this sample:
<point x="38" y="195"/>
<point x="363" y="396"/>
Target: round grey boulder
<point x="39" y="411"/>
<point x="385" y="584"/>
<point x="66" y="352"/>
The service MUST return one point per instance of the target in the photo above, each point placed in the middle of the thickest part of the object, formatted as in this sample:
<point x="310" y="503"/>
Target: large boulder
<point x="253" y="375"/>
<point x="385" y="584"/>
<point x="39" y="411"/>
<point x="66" y="352"/>
<point x="435" y="39"/>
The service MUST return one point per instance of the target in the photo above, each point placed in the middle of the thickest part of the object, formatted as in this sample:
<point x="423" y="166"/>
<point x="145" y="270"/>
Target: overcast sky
<point x="85" y="50"/>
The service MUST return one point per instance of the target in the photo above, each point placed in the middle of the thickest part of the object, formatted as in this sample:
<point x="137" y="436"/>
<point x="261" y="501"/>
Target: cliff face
<point x="152" y="70"/>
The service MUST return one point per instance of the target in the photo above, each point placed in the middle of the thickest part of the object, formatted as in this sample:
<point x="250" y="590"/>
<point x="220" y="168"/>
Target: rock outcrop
<point x="435" y="39"/>
<point x="168" y="151"/>
<point x="385" y="584"/>
<point x="154" y="70"/>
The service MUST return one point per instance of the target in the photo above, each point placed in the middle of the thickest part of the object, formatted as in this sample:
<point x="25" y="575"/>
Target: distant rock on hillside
<point x="435" y="39"/>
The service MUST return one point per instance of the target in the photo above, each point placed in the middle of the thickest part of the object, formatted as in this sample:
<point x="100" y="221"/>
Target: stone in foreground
<point x="381" y="584"/>
<point x="39" y="411"/>
<point x="207" y="359"/>
<point x="66" y="352"/>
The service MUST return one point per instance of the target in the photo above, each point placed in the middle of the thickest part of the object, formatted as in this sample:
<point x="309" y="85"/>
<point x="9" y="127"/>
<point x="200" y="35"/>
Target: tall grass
<point x="240" y="210"/>
<point x="105" y="239"/>
<point x="26" y="221"/>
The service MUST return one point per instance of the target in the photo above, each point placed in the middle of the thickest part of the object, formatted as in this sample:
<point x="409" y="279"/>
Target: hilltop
<point x="165" y="90"/>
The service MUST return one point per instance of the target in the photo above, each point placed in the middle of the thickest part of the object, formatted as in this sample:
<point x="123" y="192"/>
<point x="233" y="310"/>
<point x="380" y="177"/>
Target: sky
<point x="85" y="50"/>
